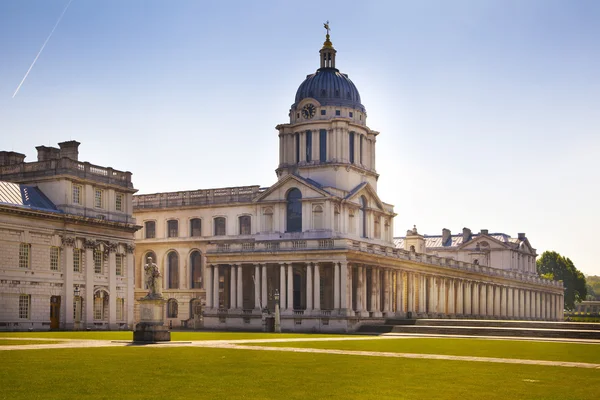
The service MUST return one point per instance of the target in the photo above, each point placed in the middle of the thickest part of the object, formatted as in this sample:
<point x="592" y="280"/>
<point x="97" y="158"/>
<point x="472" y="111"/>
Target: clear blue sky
<point x="489" y="111"/>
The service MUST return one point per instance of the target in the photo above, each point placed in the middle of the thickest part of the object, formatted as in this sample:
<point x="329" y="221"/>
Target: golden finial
<point x="327" y="41"/>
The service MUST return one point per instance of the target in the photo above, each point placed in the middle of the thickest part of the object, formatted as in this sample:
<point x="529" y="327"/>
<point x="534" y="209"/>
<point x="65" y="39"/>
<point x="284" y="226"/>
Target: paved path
<point x="245" y="344"/>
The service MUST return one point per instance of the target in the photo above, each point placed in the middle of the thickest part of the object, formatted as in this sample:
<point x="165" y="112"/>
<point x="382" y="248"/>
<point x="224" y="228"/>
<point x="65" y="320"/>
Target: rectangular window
<point x="173" y="228"/>
<point x="119" y="202"/>
<point x="351" y="146"/>
<point x="308" y="146"/>
<point x="76" y="260"/>
<point x="98" y="261"/>
<point x="297" y="135"/>
<point x="360" y="150"/>
<point x="219" y="226"/>
<point x="24" y="255"/>
<point x="323" y="112"/>
<point x="245" y="226"/>
<point x="195" y="227"/>
<point x="119" y="264"/>
<point x="150" y="229"/>
<point x="323" y="145"/>
<point x="77" y="192"/>
<point x="338" y="112"/>
<point x="54" y="258"/>
<point x="98" y="198"/>
<point x="24" y="306"/>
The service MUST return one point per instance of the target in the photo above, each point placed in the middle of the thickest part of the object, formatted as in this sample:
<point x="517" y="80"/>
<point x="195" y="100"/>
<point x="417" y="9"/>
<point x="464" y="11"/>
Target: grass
<point x="551" y="351"/>
<point x="9" y="342"/>
<point x="204" y="373"/>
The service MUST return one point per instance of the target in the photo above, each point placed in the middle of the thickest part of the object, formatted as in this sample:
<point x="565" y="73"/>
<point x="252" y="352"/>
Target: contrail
<point x="42" y="49"/>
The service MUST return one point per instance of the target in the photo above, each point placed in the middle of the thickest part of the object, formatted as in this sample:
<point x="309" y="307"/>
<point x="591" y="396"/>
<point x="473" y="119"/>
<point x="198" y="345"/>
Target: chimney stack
<point x="11" y="158"/>
<point x="70" y="149"/>
<point x="446" y="237"/>
<point x="521" y="236"/>
<point x="47" y="153"/>
<point x="466" y="235"/>
<point x="484" y="231"/>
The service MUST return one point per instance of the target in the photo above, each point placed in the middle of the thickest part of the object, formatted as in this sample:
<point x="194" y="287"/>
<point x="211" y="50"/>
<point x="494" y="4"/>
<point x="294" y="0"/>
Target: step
<point x="496" y="323"/>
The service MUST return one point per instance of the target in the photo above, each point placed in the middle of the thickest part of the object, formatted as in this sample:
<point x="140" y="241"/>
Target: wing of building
<point x="66" y="239"/>
<point x="319" y="243"/>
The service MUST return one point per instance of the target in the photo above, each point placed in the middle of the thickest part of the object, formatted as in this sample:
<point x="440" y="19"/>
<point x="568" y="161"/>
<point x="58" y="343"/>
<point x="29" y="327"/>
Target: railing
<point x="242" y="194"/>
<point x="299" y="244"/>
<point x="67" y="166"/>
<point x="298" y="312"/>
<point x="248" y="246"/>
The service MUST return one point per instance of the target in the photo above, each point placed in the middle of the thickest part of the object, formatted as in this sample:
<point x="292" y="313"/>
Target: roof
<point x="330" y="88"/>
<point x="457" y="240"/>
<point x="25" y="196"/>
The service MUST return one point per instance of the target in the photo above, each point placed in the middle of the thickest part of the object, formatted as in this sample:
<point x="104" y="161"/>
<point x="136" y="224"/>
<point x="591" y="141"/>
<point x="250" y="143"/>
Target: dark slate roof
<point x="457" y="240"/>
<point x="25" y="196"/>
<point x="330" y="88"/>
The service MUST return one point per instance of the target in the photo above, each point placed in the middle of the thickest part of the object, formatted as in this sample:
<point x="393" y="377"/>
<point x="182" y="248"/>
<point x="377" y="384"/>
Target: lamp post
<point x="277" y="315"/>
<point x="77" y="298"/>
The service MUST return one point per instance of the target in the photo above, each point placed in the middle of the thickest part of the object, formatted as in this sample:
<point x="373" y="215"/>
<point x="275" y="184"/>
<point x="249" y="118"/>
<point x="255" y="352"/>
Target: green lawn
<point x="552" y="351"/>
<point x="204" y="373"/>
<point x="8" y="342"/>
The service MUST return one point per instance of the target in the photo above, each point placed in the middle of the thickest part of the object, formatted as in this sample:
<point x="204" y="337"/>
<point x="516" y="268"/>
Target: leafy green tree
<point x="562" y="269"/>
<point x="593" y="287"/>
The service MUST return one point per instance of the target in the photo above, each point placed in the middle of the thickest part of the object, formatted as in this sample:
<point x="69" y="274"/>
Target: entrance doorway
<point x="54" y="312"/>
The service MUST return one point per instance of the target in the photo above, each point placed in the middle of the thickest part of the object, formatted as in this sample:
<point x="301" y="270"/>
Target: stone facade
<point x="320" y="239"/>
<point x="67" y="258"/>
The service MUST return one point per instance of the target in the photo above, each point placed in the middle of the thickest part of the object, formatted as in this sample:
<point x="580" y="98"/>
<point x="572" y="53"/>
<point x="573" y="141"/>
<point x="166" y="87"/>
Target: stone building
<point x="66" y="239"/>
<point x="321" y="240"/>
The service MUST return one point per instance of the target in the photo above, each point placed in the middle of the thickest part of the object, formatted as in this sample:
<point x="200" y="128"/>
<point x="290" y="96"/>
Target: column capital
<point x="68" y="241"/>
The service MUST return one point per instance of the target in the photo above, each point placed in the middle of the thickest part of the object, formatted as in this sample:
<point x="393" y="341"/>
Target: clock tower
<point x="327" y="139"/>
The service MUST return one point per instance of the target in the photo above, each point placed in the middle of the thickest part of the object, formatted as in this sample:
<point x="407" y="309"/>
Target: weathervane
<point x="326" y="25"/>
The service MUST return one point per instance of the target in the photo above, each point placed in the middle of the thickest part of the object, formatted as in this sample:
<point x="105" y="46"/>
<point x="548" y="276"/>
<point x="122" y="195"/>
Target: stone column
<point x="475" y="299"/>
<point x="263" y="285"/>
<point x="490" y="300"/>
<point x="282" y="285"/>
<point x="317" y="287"/>
<point x="232" y="288"/>
<point x="129" y="303"/>
<point x="336" y="286"/>
<point x="89" y="283"/>
<point x="240" y="288"/>
<point x="112" y="285"/>
<point x="410" y="292"/>
<point x="216" y="278"/>
<point x="459" y="310"/>
<point x="386" y="290"/>
<point x="497" y="296"/>
<point x="208" y="279"/>
<point x="359" y="288"/>
<point x="373" y="290"/>
<point x="467" y="302"/>
<point x="309" y="290"/>
<point x="257" y="287"/>
<point x="302" y="146"/>
<point x="451" y="305"/>
<point x="345" y="287"/>
<point x="399" y="293"/>
<point x="365" y="312"/>
<point x="67" y="254"/>
<point x="290" y="288"/>
<point x="510" y="302"/>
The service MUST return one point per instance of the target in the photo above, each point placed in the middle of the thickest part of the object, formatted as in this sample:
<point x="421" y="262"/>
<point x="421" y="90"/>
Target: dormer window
<point x="337" y="93"/>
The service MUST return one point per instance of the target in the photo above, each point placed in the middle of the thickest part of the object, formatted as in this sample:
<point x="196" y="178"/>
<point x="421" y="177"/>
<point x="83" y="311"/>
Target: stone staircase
<point x="466" y="327"/>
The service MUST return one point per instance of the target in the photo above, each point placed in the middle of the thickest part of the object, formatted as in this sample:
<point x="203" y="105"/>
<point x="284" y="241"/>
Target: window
<point x="220" y="226"/>
<point x="24" y="306"/>
<point x="308" y="146"/>
<point x="351" y="146"/>
<point x="54" y="258"/>
<point x="360" y="150"/>
<point x="196" y="269"/>
<point x="77" y="192"/>
<point x="318" y="217"/>
<point x="173" y="270"/>
<point x="24" y="255"/>
<point x="119" y="201"/>
<point x="297" y="137"/>
<point x="119" y="264"/>
<point x="363" y="217"/>
<point x="323" y="112"/>
<point x="150" y="228"/>
<point x="323" y="145"/>
<point x="268" y="219"/>
<point x="294" y="211"/>
<point x="297" y="115"/>
<point x="98" y="198"/>
<point x="76" y="260"/>
<point x="350" y="114"/>
<point x="245" y="225"/>
<point x="98" y="261"/>
<point x="101" y="306"/>
<point x="172" y="308"/>
<point x="172" y="228"/>
<point x="195" y="227"/>
<point x="120" y="309"/>
<point x="338" y="112"/>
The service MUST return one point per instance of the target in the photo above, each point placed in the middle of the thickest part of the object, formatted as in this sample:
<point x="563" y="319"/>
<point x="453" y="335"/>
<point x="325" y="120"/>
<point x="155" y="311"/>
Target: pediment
<point x="483" y="242"/>
<point x="278" y="192"/>
<point x="365" y="189"/>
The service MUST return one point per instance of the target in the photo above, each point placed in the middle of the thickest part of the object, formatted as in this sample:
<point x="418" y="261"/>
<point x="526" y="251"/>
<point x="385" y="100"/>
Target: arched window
<point x="362" y="220"/>
<point x="173" y="270"/>
<point x="336" y="219"/>
<point x="220" y="226"/>
<point x="318" y="217"/>
<point x="294" y="211"/>
<point x="196" y="270"/>
<point x="245" y="225"/>
<point x="268" y="220"/>
<point x="172" y="228"/>
<point x="195" y="227"/>
<point x="172" y="308"/>
<point x="196" y="308"/>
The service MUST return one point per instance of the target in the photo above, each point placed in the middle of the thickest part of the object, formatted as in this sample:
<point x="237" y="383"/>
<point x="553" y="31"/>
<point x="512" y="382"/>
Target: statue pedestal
<point x="151" y="326"/>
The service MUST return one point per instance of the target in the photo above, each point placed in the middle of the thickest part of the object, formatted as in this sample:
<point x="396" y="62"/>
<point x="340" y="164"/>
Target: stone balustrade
<point x="242" y="194"/>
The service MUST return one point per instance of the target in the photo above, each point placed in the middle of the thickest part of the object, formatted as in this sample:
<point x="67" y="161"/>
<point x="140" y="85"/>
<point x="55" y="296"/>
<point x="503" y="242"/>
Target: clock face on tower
<point x="309" y="111"/>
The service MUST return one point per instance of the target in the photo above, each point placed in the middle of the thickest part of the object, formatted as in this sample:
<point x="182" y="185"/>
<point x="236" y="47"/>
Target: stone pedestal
<point x="151" y="326"/>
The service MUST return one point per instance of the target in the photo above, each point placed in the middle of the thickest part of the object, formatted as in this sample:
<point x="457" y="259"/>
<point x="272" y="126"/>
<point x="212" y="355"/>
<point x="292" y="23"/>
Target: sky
<point x="489" y="111"/>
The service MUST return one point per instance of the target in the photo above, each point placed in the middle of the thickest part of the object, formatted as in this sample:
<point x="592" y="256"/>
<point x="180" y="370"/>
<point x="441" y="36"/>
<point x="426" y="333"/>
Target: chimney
<point x="11" y="158"/>
<point x="70" y="149"/>
<point x="466" y="235"/>
<point x="446" y="237"/>
<point x="47" y="153"/>
<point x="484" y="231"/>
<point x="521" y="236"/>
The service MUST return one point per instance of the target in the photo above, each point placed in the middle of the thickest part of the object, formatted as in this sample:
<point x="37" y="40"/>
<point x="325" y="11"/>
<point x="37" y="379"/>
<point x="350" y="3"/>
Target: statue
<point x="153" y="280"/>
<point x="326" y="26"/>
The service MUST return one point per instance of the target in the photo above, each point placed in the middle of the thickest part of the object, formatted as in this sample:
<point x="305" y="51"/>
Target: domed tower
<point x="327" y="139"/>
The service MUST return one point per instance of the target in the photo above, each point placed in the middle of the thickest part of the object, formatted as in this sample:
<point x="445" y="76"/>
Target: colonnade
<point x="362" y="290"/>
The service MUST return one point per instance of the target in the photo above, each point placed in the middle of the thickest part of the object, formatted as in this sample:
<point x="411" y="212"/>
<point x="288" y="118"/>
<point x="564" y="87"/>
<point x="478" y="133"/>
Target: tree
<point x="562" y="269"/>
<point x="593" y="287"/>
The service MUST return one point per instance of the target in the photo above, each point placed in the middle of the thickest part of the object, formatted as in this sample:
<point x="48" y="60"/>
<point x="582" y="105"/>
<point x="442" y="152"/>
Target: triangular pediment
<point x="278" y="192"/>
<point x="483" y="242"/>
<point x="365" y="189"/>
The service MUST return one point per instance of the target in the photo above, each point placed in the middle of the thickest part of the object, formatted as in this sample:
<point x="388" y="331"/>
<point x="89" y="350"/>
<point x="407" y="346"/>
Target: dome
<point x="330" y="88"/>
